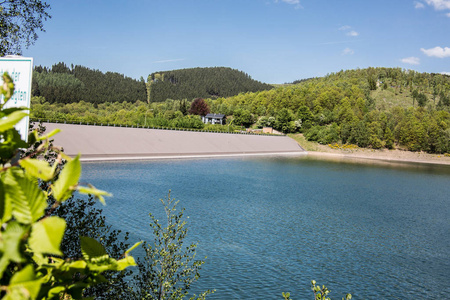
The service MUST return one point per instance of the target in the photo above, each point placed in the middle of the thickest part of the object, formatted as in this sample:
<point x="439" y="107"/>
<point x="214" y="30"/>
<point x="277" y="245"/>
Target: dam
<point x="121" y="143"/>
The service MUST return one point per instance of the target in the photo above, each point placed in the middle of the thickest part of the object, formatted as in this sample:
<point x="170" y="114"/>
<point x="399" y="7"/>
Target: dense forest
<point x="374" y="107"/>
<point x="200" y="83"/>
<point x="61" y="84"/>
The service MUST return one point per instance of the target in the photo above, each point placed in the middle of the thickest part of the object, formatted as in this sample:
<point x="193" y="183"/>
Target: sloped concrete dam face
<point x="111" y="143"/>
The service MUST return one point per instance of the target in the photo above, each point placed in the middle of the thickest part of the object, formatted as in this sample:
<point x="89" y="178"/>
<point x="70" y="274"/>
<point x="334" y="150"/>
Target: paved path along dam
<point x="119" y="143"/>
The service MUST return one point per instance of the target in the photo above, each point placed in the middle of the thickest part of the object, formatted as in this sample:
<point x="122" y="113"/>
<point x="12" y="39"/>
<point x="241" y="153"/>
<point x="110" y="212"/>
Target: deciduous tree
<point x="199" y="107"/>
<point x="168" y="268"/>
<point x="20" y="20"/>
<point x="422" y="99"/>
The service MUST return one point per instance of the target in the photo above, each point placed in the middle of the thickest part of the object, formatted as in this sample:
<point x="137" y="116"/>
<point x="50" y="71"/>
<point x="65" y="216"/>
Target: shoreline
<point x="369" y="155"/>
<point x="91" y="158"/>
<point x="97" y="143"/>
<point x="365" y="157"/>
<point x="378" y="158"/>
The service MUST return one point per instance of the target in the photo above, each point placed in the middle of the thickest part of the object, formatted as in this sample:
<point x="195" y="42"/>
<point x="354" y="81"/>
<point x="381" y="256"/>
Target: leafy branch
<point x="169" y="267"/>
<point x="30" y="238"/>
<point x="320" y="293"/>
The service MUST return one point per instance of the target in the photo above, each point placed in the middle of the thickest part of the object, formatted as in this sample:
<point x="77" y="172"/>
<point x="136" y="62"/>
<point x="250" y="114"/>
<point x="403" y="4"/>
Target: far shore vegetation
<point x="376" y="108"/>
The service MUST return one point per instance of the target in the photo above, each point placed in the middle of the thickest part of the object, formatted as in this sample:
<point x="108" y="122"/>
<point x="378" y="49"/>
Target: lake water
<point x="272" y="225"/>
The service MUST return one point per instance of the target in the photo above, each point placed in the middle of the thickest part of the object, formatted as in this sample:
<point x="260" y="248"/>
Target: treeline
<point x="374" y="107"/>
<point x="200" y="83"/>
<point x="167" y="114"/>
<point x="61" y="84"/>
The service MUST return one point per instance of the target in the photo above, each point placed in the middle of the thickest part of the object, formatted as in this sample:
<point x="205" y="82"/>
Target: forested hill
<point x="373" y="107"/>
<point x="200" y="83"/>
<point x="62" y="84"/>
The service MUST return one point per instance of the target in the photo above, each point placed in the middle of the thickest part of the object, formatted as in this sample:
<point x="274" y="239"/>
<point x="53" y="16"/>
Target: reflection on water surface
<point x="379" y="231"/>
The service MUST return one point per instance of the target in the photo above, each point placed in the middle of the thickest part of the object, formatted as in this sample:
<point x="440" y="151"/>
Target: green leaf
<point x="11" y="142"/>
<point x="12" y="237"/>
<point x="132" y="248"/>
<point x="54" y="292"/>
<point x="11" y="120"/>
<point x="46" y="235"/>
<point x="71" y="268"/>
<point x="11" y="245"/>
<point x="5" y="205"/>
<point x="23" y="285"/>
<point x="76" y="290"/>
<point x="7" y="89"/>
<point x="68" y="180"/>
<point x="90" y="248"/>
<point x="125" y="263"/>
<point x="4" y="262"/>
<point x="26" y="274"/>
<point x="28" y="202"/>
<point x="77" y="265"/>
<point x="102" y="264"/>
<point x="37" y="168"/>
<point x="91" y="190"/>
<point x="10" y="110"/>
<point x="49" y="135"/>
<point x="40" y="259"/>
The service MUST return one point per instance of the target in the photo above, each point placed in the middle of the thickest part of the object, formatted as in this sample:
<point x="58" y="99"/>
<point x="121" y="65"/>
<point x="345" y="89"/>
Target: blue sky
<point x="274" y="41"/>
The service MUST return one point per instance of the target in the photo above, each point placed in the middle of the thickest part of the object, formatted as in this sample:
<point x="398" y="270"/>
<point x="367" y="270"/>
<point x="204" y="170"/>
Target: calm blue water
<point x="273" y="225"/>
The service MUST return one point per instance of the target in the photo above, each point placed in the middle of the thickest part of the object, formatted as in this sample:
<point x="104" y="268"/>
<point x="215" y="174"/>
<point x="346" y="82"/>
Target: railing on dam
<point x="155" y="127"/>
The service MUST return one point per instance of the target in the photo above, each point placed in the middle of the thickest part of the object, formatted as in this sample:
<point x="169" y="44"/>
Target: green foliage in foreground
<point x="320" y="293"/>
<point x="169" y="266"/>
<point x="31" y="263"/>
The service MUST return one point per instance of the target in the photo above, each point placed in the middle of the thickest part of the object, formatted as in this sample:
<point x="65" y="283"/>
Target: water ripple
<point x="271" y="226"/>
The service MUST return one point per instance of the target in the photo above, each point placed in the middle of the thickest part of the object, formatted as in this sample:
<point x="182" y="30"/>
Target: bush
<point x="323" y="134"/>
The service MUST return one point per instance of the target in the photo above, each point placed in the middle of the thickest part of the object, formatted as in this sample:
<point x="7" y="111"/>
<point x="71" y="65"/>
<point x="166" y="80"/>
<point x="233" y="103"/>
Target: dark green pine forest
<point x="63" y="84"/>
<point x="200" y="83"/>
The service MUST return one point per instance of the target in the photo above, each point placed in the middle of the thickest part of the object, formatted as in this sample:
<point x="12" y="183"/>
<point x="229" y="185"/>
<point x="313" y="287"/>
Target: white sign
<point x="20" y="69"/>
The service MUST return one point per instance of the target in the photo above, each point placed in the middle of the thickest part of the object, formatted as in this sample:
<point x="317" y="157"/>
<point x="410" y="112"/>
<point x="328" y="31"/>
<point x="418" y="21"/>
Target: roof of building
<point x="215" y="116"/>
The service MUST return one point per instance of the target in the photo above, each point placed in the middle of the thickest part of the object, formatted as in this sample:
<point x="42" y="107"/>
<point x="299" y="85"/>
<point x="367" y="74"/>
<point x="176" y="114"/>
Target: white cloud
<point x="348" y="31"/>
<point x="291" y="2"/>
<point x="345" y="27"/>
<point x="411" y="60"/>
<point x="437" y="52"/>
<point x="418" y="5"/>
<point x="352" y="33"/>
<point x="446" y="73"/>
<point x="348" y="51"/>
<point x="439" y="4"/>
